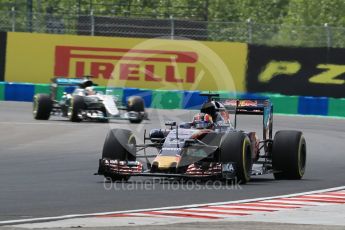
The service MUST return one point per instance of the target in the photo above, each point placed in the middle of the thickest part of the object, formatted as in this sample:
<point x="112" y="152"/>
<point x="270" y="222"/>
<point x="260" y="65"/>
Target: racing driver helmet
<point x="203" y="121"/>
<point x="89" y="91"/>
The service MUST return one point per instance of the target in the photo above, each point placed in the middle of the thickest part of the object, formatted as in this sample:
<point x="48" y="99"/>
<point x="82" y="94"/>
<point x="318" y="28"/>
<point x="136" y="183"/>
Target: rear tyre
<point x="289" y="154"/>
<point x="136" y="104"/>
<point x="104" y="119"/>
<point x="119" y="145"/>
<point x="42" y="106"/>
<point x="75" y="109"/>
<point x="235" y="147"/>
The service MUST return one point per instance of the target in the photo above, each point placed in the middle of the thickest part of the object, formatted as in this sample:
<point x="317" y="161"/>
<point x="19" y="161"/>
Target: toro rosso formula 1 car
<point x="85" y="103"/>
<point x="203" y="149"/>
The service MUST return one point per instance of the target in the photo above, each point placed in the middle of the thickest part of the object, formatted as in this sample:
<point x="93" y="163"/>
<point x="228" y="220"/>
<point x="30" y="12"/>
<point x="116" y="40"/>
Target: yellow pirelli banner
<point x="127" y="62"/>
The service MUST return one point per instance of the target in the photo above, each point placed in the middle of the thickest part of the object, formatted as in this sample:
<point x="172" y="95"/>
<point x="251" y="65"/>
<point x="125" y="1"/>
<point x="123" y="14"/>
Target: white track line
<point x="198" y="215"/>
<point x="188" y="214"/>
<point x="244" y="208"/>
<point x="205" y="209"/>
<point x="42" y="219"/>
<point x="316" y="199"/>
<point x="290" y="203"/>
<point x="329" y="196"/>
<point x="301" y="202"/>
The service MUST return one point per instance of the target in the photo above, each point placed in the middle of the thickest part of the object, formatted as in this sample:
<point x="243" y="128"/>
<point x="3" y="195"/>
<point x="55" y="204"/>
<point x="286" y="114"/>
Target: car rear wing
<point x="68" y="81"/>
<point x="242" y="106"/>
<point x="63" y="81"/>
<point x="262" y="107"/>
<point x="248" y="106"/>
<point x="81" y="82"/>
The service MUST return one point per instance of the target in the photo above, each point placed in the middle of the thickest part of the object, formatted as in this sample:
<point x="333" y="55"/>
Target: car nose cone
<point x="165" y="162"/>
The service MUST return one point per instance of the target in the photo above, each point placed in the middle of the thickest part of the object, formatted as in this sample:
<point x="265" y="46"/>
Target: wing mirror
<point x="171" y="124"/>
<point x="189" y="142"/>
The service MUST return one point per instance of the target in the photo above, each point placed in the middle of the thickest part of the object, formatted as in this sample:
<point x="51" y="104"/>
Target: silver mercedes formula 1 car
<point x="84" y="103"/>
<point x="209" y="146"/>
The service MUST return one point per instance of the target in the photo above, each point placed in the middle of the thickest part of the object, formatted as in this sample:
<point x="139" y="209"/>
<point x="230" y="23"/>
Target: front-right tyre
<point x="289" y="155"/>
<point x="235" y="147"/>
<point x="136" y="104"/>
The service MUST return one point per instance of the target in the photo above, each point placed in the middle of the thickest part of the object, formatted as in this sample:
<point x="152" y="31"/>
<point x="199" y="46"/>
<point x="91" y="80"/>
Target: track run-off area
<point x="47" y="167"/>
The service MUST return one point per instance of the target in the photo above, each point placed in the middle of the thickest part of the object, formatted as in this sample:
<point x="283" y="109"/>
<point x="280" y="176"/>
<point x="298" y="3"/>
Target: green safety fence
<point x="2" y="91"/>
<point x="284" y="104"/>
<point x="59" y="92"/>
<point x="118" y="92"/>
<point x="167" y="99"/>
<point x="42" y="88"/>
<point x="102" y="89"/>
<point x="336" y="107"/>
<point x="163" y="99"/>
<point x="225" y="94"/>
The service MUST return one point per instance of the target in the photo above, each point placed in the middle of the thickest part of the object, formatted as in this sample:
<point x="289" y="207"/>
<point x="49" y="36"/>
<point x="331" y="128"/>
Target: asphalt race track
<point x="46" y="167"/>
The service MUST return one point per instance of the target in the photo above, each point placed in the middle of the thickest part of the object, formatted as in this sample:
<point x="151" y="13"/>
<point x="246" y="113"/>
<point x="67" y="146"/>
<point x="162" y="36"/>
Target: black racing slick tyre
<point x="289" y="154"/>
<point x="42" y="106"/>
<point x="104" y="119"/>
<point x="119" y="144"/>
<point x="75" y="108"/>
<point x="136" y="104"/>
<point x="235" y="147"/>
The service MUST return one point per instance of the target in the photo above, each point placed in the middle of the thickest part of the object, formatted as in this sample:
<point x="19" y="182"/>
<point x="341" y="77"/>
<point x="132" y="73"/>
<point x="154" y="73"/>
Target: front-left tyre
<point x="76" y="107"/>
<point x="119" y="145"/>
<point x="42" y="106"/>
<point x="289" y="155"/>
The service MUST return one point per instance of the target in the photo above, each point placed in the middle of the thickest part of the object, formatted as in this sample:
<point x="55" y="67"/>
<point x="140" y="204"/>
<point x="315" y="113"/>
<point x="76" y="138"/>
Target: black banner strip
<point x="3" y="44"/>
<point x="296" y="71"/>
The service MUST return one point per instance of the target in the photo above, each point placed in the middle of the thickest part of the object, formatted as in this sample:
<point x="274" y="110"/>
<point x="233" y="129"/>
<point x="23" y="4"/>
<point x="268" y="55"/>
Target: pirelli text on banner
<point x="127" y="62"/>
<point x="296" y="71"/>
<point x="103" y="65"/>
